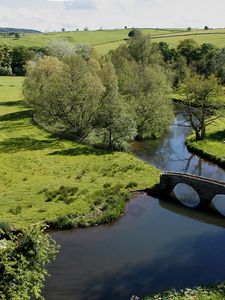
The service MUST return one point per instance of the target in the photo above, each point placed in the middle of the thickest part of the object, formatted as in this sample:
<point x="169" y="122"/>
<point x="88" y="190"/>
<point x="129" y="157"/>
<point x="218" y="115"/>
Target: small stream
<point x="155" y="246"/>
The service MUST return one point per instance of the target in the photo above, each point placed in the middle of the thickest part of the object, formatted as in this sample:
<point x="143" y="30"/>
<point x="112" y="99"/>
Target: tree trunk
<point x="110" y="145"/>
<point x="197" y="136"/>
<point x="203" y="133"/>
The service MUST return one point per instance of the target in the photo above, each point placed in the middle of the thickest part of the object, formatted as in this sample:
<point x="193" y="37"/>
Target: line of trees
<point x="144" y="71"/>
<point x="205" y="59"/>
<point x="13" y="59"/>
<point x="198" y="72"/>
<point x="108" y="101"/>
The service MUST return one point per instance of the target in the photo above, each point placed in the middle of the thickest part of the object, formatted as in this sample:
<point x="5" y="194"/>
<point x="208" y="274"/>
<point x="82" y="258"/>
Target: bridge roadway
<point x="206" y="188"/>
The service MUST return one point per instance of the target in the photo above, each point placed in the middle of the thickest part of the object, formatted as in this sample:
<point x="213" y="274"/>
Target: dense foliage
<point x="145" y="85"/>
<point x="23" y="257"/>
<point x="107" y="101"/>
<point x="14" y="59"/>
<point x="203" y="103"/>
<point x="125" y="95"/>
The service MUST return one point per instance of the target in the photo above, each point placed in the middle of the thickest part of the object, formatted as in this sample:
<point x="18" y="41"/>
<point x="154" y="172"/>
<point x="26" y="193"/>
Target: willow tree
<point x="144" y="84"/>
<point x="146" y="90"/>
<point x="204" y="103"/>
<point x="117" y="124"/>
<point x="65" y="95"/>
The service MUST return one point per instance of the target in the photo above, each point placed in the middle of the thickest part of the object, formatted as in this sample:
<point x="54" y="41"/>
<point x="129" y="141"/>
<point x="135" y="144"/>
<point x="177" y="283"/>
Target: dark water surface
<point x="156" y="245"/>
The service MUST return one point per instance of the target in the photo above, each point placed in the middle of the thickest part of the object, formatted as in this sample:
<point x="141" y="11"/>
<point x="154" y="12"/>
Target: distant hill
<point x="19" y="30"/>
<point x="106" y="40"/>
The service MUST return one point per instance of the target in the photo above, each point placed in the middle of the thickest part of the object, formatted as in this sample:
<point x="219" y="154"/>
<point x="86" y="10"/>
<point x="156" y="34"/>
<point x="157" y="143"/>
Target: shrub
<point x="16" y="210"/>
<point x="22" y="263"/>
<point x="131" y="184"/>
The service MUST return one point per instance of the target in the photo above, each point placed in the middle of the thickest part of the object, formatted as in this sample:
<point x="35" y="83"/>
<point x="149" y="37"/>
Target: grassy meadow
<point x="60" y="182"/>
<point x="103" y="40"/>
<point x="215" y="37"/>
<point x="106" y="40"/>
<point x="213" y="147"/>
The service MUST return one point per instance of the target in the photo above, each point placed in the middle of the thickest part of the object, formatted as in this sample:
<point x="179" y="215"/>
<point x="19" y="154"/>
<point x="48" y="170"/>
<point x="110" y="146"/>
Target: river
<point x="156" y="245"/>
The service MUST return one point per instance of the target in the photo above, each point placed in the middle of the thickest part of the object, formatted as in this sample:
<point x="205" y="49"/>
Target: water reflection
<point x="206" y="215"/>
<point x="186" y="195"/>
<point x="170" y="153"/>
<point x="157" y="245"/>
<point x="218" y="203"/>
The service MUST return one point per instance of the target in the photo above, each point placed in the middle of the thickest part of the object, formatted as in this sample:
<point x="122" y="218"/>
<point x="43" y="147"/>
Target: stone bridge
<point x="206" y="188"/>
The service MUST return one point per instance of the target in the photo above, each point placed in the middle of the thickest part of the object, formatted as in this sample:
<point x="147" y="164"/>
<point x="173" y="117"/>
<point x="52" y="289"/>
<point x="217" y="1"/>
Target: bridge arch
<point x="218" y="203"/>
<point x="206" y="188"/>
<point x="186" y="195"/>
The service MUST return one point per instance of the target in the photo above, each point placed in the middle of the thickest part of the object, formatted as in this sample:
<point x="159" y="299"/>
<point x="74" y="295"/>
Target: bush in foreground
<point x="23" y="258"/>
<point x="216" y="292"/>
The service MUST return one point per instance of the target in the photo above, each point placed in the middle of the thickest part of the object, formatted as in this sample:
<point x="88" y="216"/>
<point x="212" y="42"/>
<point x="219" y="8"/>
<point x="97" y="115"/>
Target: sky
<point x="50" y="15"/>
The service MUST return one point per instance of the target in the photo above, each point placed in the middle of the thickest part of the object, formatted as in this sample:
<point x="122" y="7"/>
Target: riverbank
<point x="65" y="184"/>
<point x="216" y="292"/>
<point x="213" y="147"/>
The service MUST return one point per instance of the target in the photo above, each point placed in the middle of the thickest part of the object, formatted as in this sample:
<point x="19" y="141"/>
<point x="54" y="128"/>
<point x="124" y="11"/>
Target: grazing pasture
<point x="106" y="40"/>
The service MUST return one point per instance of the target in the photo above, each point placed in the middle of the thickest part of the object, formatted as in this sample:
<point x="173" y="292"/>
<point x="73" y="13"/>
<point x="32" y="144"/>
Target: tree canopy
<point x="64" y="95"/>
<point x="203" y="101"/>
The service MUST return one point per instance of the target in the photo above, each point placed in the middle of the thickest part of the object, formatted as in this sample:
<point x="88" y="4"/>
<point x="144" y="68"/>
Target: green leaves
<point x="23" y="258"/>
<point x="64" y="95"/>
<point x="204" y="98"/>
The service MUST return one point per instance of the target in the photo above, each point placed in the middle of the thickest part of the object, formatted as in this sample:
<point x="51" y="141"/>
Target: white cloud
<point x="71" y="14"/>
<point x="60" y="0"/>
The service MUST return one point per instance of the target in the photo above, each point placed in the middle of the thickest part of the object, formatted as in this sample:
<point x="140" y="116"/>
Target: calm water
<point x="156" y="245"/>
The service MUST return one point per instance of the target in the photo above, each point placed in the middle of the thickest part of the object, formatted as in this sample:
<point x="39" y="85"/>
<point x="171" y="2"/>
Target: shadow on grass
<point x="21" y="103"/>
<point x="22" y="144"/>
<point x="80" y="150"/>
<point x="217" y="136"/>
<point x="16" y="116"/>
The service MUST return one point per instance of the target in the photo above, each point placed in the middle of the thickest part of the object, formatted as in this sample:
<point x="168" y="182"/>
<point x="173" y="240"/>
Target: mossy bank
<point x="213" y="147"/>
<point x="44" y="179"/>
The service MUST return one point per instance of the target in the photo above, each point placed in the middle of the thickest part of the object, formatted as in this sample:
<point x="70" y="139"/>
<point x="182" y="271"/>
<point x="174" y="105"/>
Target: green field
<point x="106" y="40"/>
<point x="215" y="37"/>
<point x="213" y="147"/>
<point x="103" y="40"/>
<point x="43" y="178"/>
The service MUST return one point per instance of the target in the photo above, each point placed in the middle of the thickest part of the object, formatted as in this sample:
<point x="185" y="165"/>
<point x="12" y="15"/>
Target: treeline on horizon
<point x="8" y="30"/>
<point x="110" y="100"/>
<point x="204" y="59"/>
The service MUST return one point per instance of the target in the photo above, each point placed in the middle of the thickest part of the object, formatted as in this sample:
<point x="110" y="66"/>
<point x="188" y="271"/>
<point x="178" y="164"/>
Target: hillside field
<point x="105" y="40"/>
<point x="64" y="183"/>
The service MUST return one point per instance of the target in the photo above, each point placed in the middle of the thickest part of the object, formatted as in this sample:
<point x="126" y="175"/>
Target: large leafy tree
<point x="189" y="48"/>
<point x="20" y="56"/>
<point x="117" y="124"/>
<point x="5" y="56"/>
<point x="204" y="102"/>
<point x="144" y="84"/>
<point x="219" y="65"/>
<point x="148" y="96"/>
<point x="65" y="96"/>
